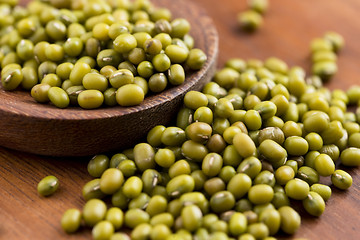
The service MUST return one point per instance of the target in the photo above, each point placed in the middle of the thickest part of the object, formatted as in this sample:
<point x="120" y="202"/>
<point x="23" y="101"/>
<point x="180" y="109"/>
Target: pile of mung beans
<point x="257" y="138"/>
<point x="94" y="53"/>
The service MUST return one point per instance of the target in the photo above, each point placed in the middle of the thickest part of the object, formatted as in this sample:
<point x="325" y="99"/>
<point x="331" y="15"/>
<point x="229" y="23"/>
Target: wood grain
<point x="288" y="28"/>
<point x="90" y="132"/>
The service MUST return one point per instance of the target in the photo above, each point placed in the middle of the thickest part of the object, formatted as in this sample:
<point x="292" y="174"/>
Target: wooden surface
<point x="105" y="129"/>
<point x="288" y="28"/>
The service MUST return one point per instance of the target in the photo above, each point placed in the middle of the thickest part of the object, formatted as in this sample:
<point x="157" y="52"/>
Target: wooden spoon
<point x="46" y="130"/>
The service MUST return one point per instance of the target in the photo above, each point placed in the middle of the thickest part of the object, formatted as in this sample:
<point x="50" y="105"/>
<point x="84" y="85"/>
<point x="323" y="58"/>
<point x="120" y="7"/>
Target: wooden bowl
<point x="46" y="130"/>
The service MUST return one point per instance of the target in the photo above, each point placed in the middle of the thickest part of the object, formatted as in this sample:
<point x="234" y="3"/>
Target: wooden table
<point x="288" y="28"/>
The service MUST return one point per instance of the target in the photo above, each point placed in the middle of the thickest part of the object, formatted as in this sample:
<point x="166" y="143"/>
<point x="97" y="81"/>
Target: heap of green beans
<point x="94" y="53"/>
<point x="260" y="136"/>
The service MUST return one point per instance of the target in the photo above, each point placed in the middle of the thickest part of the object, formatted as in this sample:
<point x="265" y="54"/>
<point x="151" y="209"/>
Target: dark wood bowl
<point x="46" y="130"/>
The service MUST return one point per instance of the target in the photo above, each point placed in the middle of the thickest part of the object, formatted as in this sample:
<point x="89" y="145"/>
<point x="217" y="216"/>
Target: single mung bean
<point x="156" y="205"/>
<point x="220" y="226"/>
<point x="79" y="70"/>
<point x="336" y="40"/>
<point x="178" y="168"/>
<point x="251" y="166"/>
<point x="176" y="74"/>
<point x="173" y="136"/>
<point x="222" y="201"/>
<point x="260" y="194"/>
<point x="116" y="216"/>
<point x="40" y="92"/>
<point x="324" y="165"/>
<point x="92" y="190"/>
<point x="119" y="236"/>
<point x="284" y="174"/>
<point x="244" y="145"/>
<point x="11" y="77"/>
<point x="194" y="100"/>
<point x="196" y="59"/>
<point x="52" y="79"/>
<point x="253" y="120"/>
<point x="157" y="82"/>
<point x="350" y="157"/>
<point x="111" y="180"/>
<point x="212" y="164"/>
<point x="239" y="185"/>
<point x="314" y="140"/>
<point x="258" y="230"/>
<point x="180" y="27"/>
<point x="296" y="146"/>
<point x="265" y="177"/>
<point x="97" y="165"/>
<point x="194" y="151"/>
<point x="192" y="217"/>
<point x="132" y="187"/>
<point x="308" y="174"/>
<point x="272" y="219"/>
<point x="290" y="219"/>
<point x="297" y="189"/>
<point x="165" y="157"/>
<point x="179" y="185"/>
<point x="135" y="217"/>
<point x="314" y="204"/>
<point x="216" y="143"/>
<point x="102" y="230"/>
<point x="272" y="151"/>
<point x="129" y="95"/>
<point x="160" y="231"/>
<point x="63" y="70"/>
<point x="341" y="179"/>
<point x="250" y="20"/>
<point x="163" y="218"/>
<point x="90" y="99"/>
<point x="125" y="43"/>
<point x="48" y="186"/>
<point x="214" y="185"/>
<point x="94" y="211"/>
<point x="144" y="156"/>
<point x="199" y="132"/>
<point x="71" y="220"/>
<point x="273" y="133"/>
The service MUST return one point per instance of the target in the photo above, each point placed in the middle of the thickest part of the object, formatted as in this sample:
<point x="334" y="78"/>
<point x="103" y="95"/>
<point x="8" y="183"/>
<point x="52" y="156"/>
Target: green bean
<point x="341" y="179"/>
<point x="297" y="189"/>
<point x="350" y="157"/>
<point x="144" y="156"/>
<point x="272" y="151"/>
<point x="239" y="185"/>
<point x="71" y="220"/>
<point x="97" y="165"/>
<point x="94" y="211"/>
<point x="115" y="216"/>
<point x="244" y="145"/>
<point x="48" y="186"/>
<point x="179" y="185"/>
<point x="103" y="230"/>
<point x="290" y="219"/>
<point x="314" y="204"/>
<point x="135" y="217"/>
<point x="111" y="180"/>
